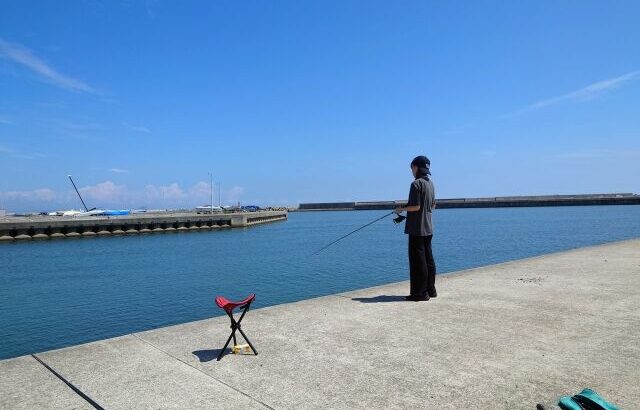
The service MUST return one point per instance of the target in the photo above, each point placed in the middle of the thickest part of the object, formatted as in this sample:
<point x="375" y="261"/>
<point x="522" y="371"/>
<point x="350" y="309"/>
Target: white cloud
<point x="34" y="155"/>
<point x="173" y="191"/>
<point x="11" y="152"/>
<point x="119" y="170"/>
<point x="152" y="192"/>
<point x="164" y="192"/>
<point x="587" y="93"/>
<point x="235" y="193"/>
<point x="78" y="126"/>
<point x="201" y="190"/>
<point x="457" y="129"/>
<point x="22" y="55"/>
<point x="108" y="193"/>
<point x="42" y="194"/>
<point x="105" y="191"/>
<point x="598" y="154"/>
<point x="139" y="128"/>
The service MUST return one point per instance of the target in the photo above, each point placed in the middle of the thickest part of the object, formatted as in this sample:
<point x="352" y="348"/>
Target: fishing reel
<point x="399" y="219"/>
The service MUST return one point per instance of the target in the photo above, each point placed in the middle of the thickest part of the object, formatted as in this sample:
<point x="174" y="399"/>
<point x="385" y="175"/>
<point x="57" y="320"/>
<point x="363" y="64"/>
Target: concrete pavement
<point x="505" y="336"/>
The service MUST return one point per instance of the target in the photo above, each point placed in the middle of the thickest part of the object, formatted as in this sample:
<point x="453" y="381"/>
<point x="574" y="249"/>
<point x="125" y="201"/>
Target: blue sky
<point x="289" y="102"/>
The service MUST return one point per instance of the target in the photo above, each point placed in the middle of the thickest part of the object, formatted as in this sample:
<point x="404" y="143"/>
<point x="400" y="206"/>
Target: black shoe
<point x="415" y="298"/>
<point x="433" y="295"/>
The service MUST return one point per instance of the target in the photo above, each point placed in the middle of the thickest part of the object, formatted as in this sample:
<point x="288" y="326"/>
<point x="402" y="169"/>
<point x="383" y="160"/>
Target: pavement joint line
<point x="69" y="384"/>
<point x="206" y="374"/>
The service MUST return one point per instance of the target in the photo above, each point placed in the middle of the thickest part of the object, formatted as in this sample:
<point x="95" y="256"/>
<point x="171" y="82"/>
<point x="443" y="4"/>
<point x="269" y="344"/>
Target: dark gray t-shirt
<point x="421" y="193"/>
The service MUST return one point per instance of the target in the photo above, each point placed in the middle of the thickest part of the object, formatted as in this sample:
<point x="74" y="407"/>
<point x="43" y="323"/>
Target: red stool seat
<point x="229" y="305"/>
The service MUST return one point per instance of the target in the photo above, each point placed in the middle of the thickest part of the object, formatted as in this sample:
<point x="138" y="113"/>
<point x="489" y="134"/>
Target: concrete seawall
<point x="491" y="202"/>
<point x="52" y="227"/>
<point x="505" y="336"/>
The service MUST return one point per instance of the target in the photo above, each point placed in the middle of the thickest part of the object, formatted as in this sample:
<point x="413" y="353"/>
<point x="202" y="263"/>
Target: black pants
<point x="422" y="266"/>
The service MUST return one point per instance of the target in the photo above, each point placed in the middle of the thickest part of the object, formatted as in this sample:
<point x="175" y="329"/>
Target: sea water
<point x="63" y="292"/>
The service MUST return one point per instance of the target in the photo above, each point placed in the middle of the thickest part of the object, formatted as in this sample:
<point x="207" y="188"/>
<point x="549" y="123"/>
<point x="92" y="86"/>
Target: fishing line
<point x="399" y="219"/>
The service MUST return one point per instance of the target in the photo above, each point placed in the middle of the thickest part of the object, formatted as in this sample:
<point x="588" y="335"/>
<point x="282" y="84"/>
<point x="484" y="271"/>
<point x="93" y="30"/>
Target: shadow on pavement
<point x="207" y="355"/>
<point x="380" y="299"/>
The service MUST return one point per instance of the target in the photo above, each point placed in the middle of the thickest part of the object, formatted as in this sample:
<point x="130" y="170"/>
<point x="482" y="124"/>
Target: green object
<point x="568" y="403"/>
<point x="592" y="400"/>
<point x="587" y="399"/>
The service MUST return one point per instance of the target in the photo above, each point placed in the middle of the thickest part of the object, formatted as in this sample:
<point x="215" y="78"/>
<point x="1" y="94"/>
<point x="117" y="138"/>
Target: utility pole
<point x="211" y="191"/>
<point x="219" y="195"/>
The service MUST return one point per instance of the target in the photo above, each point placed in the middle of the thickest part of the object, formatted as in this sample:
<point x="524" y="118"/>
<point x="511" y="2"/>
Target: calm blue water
<point x="60" y="293"/>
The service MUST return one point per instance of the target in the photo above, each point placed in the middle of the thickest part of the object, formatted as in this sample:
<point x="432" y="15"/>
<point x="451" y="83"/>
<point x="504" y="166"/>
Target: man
<point x="418" y="226"/>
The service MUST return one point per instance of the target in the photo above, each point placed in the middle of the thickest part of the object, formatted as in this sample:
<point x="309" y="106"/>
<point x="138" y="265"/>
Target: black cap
<point x="422" y="162"/>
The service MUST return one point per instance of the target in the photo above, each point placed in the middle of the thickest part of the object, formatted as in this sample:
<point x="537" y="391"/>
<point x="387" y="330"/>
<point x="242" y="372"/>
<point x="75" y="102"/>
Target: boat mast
<point x="211" y="191"/>
<point x="78" y="192"/>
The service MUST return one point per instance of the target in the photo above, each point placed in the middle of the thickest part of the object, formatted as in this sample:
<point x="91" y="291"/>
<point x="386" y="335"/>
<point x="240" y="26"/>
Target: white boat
<point x="106" y="212"/>
<point x="148" y="211"/>
<point x="206" y="209"/>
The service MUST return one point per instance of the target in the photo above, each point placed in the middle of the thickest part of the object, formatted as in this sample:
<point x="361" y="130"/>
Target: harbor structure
<point x="489" y="202"/>
<point x="52" y="227"/>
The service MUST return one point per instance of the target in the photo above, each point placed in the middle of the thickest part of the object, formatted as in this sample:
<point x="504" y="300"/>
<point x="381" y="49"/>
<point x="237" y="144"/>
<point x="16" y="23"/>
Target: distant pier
<point x="491" y="202"/>
<point x="52" y="227"/>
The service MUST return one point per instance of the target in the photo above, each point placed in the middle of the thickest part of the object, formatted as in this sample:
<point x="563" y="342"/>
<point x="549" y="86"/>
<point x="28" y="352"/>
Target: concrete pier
<point x="505" y="336"/>
<point x="490" y="202"/>
<point x="52" y="227"/>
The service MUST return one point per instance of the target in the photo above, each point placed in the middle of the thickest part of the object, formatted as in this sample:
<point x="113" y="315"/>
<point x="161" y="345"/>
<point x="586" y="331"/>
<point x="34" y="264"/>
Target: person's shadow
<point x="208" y="354"/>
<point x="380" y="299"/>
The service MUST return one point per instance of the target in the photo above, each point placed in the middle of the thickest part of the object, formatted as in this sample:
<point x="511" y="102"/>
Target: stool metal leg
<point x="248" y="341"/>
<point x="235" y="325"/>
<point x="225" y="346"/>
<point x="244" y="311"/>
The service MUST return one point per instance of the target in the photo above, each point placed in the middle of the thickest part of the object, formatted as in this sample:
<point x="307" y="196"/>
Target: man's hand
<point x="399" y="210"/>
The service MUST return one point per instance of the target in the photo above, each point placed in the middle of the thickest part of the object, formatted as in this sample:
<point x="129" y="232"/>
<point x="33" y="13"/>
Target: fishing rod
<point x="397" y="220"/>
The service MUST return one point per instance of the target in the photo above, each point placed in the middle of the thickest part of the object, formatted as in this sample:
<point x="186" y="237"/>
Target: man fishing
<point x="422" y="267"/>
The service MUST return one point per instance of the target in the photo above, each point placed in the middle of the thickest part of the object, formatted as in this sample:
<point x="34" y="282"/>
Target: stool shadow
<point x="208" y="354"/>
<point x="380" y="299"/>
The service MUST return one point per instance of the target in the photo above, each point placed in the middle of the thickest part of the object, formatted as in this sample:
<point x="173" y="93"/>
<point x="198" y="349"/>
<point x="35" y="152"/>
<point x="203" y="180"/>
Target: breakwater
<point x="490" y="202"/>
<point x="52" y="227"/>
